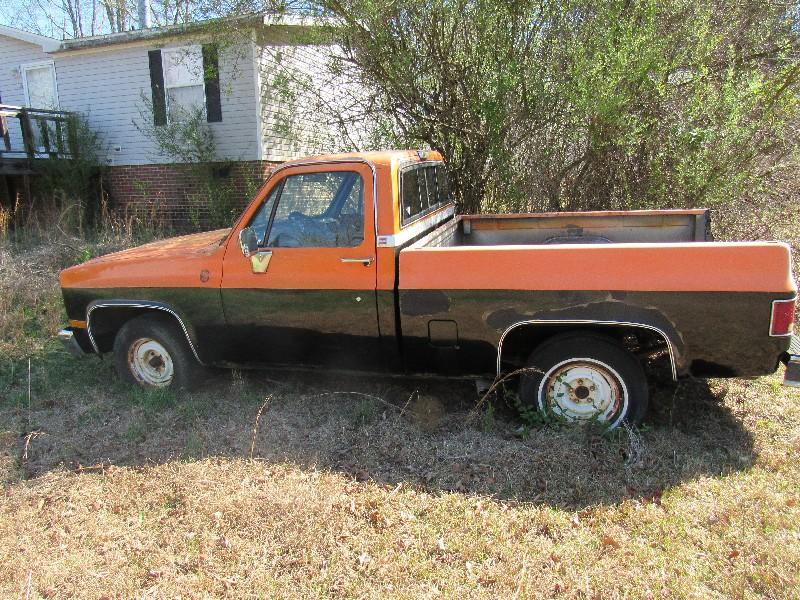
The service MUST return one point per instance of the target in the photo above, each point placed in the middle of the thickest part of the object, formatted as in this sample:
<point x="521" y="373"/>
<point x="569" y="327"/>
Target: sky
<point x="15" y="13"/>
<point x="48" y="17"/>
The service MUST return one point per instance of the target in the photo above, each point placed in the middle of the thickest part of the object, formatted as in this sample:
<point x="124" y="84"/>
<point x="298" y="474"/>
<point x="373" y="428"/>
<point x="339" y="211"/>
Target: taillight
<point x="782" y="322"/>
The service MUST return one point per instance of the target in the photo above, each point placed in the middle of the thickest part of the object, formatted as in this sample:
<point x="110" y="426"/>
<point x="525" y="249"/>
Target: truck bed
<point x="482" y="275"/>
<point x="644" y="251"/>
<point x="655" y="226"/>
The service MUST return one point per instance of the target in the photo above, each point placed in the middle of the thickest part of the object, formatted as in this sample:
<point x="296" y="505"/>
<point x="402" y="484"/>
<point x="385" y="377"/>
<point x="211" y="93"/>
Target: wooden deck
<point x="32" y="134"/>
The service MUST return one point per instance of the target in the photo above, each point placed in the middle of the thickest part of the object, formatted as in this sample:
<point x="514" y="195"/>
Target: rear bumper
<point x="71" y="343"/>
<point x="792" y="361"/>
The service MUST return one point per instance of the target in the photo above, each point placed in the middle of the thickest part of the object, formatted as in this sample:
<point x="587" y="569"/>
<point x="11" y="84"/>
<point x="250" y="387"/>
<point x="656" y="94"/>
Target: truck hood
<point x="186" y="245"/>
<point x="164" y="260"/>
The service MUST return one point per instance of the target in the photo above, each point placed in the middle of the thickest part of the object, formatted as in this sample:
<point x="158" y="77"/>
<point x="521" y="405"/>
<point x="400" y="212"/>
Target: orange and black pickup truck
<point x="358" y="262"/>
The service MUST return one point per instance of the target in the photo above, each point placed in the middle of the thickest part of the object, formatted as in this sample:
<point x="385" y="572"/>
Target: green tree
<point x="539" y="104"/>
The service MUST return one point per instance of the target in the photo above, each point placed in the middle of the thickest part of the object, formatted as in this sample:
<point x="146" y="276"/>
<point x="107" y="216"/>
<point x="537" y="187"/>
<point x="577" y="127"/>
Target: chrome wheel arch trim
<point x="661" y="332"/>
<point x="136" y="304"/>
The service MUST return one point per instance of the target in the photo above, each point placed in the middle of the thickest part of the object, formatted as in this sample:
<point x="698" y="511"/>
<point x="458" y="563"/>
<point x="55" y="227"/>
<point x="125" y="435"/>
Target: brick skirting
<point x="174" y="196"/>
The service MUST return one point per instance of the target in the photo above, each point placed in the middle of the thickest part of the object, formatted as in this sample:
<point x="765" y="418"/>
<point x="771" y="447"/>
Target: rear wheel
<point x="151" y="351"/>
<point x="585" y="377"/>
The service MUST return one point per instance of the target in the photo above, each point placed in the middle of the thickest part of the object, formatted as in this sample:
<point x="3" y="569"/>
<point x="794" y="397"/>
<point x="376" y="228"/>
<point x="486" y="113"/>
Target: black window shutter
<point x="157" y="88"/>
<point x="211" y="77"/>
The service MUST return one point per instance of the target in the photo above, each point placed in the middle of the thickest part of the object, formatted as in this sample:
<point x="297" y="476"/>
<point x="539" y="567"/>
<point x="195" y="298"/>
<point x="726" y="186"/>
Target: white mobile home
<point x="127" y="84"/>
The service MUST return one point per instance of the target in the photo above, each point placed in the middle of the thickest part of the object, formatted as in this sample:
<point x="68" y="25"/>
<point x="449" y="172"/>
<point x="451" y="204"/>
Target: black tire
<point x="584" y="376"/>
<point x="138" y="349"/>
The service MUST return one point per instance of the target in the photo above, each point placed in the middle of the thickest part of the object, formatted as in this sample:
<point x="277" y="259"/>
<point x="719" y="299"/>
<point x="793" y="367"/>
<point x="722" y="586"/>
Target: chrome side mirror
<point x="248" y="241"/>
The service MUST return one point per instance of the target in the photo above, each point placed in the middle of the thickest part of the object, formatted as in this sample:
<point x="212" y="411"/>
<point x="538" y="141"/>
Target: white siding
<point x="14" y="53"/>
<point x="111" y="86"/>
<point x="301" y="99"/>
<point x="237" y="134"/>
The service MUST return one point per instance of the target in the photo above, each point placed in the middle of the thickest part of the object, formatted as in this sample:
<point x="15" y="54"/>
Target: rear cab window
<point x="424" y="188"/>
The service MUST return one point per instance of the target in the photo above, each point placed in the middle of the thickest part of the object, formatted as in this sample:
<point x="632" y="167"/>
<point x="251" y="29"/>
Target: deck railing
<point x="35" y="133"/>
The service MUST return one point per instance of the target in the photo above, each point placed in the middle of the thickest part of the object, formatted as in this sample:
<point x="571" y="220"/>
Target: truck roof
<point x="386" y="164"/>
<point x="380" y="157"/>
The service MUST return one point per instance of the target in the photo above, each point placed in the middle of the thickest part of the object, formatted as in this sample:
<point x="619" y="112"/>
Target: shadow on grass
<point x="395" y="432"/>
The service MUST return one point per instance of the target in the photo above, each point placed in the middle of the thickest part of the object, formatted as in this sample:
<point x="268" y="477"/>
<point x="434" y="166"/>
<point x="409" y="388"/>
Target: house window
<point x="39" y="81"/>
<point x="184" y="84"/>
<point x="183" y="80"/>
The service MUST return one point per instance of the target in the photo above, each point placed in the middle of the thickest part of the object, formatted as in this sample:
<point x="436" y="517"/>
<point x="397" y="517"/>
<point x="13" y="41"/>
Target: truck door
<point x="306" y="293"/>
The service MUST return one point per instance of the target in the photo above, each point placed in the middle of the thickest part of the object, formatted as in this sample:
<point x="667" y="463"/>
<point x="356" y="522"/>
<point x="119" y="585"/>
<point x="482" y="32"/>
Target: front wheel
<point x="152" y="352"/>
<point x="585" y="377"/>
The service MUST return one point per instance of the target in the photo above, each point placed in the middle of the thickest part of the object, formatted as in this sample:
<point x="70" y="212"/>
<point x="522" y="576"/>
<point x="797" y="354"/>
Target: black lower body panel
<point x="457" y="332"/>
<point x="708" y="334"/>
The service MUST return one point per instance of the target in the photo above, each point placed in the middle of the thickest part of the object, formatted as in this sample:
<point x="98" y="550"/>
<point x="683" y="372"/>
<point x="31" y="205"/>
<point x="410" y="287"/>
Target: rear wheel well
<point x="649" y="345"/>
<point x="104" y="322"/>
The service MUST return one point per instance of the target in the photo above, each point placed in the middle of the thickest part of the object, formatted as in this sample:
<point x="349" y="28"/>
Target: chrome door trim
<point x="590" y="322"/>
<point x="259" y="261"/>
<point x="364" y="261"/>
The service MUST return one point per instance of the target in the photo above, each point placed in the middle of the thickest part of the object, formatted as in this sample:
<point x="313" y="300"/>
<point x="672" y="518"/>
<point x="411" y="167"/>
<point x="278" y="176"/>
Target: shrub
<point x="66" y="191"/>
<point x="584" y="105"/>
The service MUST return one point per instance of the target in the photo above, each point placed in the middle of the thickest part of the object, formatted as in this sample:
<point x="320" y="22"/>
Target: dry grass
<point x="31" y="308"/>
<point x="29" y="302"/>
<point x="128" y="494"/>
<point x="377" y="488"/>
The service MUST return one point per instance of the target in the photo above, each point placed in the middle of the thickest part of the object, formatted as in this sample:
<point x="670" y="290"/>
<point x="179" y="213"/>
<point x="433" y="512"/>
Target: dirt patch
<point x="426" y="412"/>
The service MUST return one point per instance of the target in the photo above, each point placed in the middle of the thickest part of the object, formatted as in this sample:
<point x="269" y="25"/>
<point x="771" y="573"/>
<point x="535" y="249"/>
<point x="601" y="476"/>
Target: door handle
<point x="364" y="261"/>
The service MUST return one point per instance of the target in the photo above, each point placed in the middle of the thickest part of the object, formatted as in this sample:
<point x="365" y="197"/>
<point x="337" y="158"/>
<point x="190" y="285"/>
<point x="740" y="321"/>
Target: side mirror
<point x="248" y="241"/>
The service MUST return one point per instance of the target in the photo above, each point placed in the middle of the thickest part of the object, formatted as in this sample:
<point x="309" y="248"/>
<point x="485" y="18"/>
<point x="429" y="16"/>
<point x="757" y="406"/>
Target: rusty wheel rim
<point x="584" y="389"/>
<point x="150" y="363"/>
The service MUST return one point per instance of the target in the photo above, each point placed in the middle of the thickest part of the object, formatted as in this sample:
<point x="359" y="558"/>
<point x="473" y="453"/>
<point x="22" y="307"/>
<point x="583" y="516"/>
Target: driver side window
<point x="315" y="210"/>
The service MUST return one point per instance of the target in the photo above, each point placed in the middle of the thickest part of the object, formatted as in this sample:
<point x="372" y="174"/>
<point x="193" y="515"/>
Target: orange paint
<point x="172" y="263"/>
<point x="179" y="262"/>
<point x="307" y="268"/>
<point x="200" y="260"/>
<point x="676" y="267"/>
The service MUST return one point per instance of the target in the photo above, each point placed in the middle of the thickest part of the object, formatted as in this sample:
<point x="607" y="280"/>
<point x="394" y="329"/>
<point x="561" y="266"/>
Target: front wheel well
<point x="104" y="323"/>
<point x="647" y="343"/>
